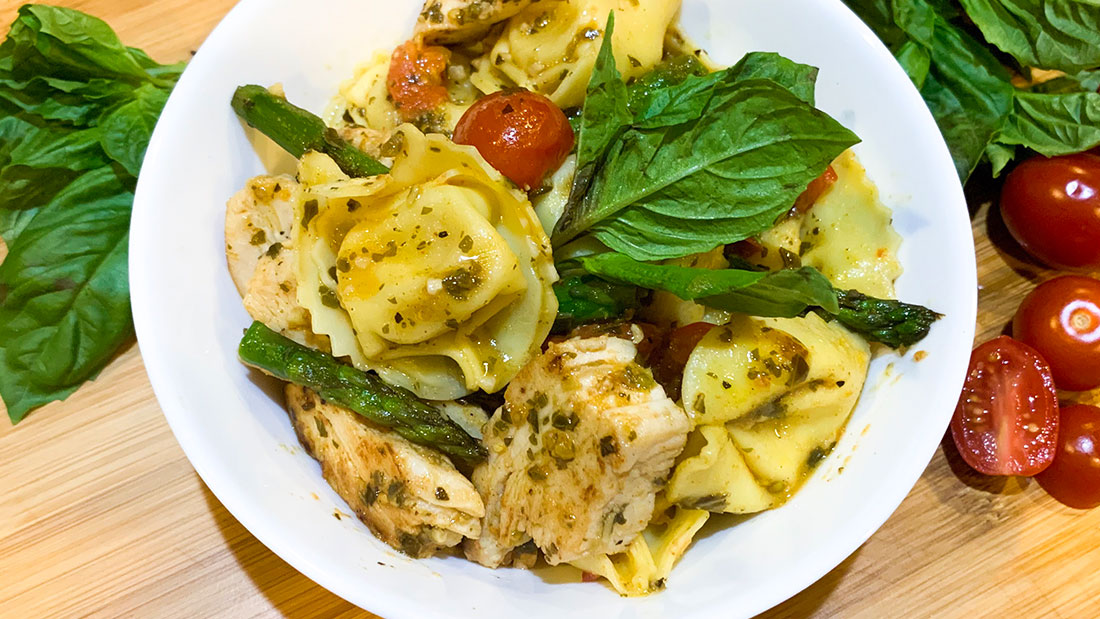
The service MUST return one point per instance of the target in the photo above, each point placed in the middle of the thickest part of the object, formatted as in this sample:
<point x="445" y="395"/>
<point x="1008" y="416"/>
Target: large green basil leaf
<point x="724" y="177"/>
<point x="77" y="109"/>
<point x="1048" y="34"/>
<point x="1054" y="124"/>
<point x="64" y="307"/>
<point x="126" y="131"/>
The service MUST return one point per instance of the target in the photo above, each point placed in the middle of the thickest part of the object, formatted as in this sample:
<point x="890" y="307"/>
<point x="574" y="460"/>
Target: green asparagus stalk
<point x="893" y="323"/>
<point x="366" y="394"/>
<point x="298" y="131"/>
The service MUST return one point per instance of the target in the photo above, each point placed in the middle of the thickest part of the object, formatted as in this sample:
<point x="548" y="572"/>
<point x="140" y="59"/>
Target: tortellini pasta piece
<point x="848" y="235"/>
<point x="437" y="275"/>
<point x="648" y="560"/>
<point x="773" y="396"/>
<point x="551" y="46"/>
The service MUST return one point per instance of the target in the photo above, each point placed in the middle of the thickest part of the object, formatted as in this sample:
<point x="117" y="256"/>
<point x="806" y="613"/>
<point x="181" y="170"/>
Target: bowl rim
<point x="815" y="565"/>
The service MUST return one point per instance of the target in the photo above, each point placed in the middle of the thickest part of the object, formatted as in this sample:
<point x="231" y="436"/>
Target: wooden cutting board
<point x="101" y="514"/>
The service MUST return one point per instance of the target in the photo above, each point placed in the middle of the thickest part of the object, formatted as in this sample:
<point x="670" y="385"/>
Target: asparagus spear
<point x="893" y="323"/>
<point x="367" y="395"/>
<point x="298" y="131"/>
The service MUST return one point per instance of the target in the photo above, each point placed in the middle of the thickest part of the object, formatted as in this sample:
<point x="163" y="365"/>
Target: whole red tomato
<point x="1061" y="320"/>
<point x="1074" y="476"/>
<point x="1006" y="422"/>
<point x="1052" y="206"/>
<point x="520" y="133"/>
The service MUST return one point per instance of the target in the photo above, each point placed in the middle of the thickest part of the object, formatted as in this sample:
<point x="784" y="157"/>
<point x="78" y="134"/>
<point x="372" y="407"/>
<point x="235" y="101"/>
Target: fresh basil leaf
<point x="999" y="155"/>
<point x="126" y="131"/>
<point x="1054" y="124"/>
<point x="76" y="112"/>
<point x="58" y="148"/>
<point x="967" y="89"/>
<point x="604" y="117"/>
<point x="916" y="61"/>
<point x="725" y="177"/>
<point x="77" y="103"/>
<point x="785" y="293"/>
<point x="1058" y="34"/>
<point x="66" y="43"/>
<point x="64" y="307"/>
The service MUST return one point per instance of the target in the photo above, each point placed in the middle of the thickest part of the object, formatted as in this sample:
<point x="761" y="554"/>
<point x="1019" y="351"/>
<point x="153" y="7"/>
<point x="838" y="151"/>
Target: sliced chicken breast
<point x="577" y="454"/>
<point x="259" y="241"/>
<point x="410" y="496"/>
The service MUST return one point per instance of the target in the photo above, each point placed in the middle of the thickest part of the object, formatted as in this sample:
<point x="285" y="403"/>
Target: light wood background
<point x="101" y="514"/>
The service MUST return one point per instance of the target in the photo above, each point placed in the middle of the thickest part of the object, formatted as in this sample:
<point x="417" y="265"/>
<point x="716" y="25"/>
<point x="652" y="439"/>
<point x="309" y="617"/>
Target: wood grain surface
<point x="101" y="514"/>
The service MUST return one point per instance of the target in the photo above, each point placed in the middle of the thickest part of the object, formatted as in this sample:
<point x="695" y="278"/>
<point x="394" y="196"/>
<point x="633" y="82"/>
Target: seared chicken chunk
<point x="577" y="454"/>
<point x="259" y="220"/>
<point x="259" y="237"/>
<point x="456" y="21"/>
<point x="410" y="496"/>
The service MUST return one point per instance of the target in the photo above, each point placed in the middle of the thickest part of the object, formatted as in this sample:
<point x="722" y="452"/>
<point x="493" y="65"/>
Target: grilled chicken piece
<point x="457" y="21"/>
<point x="577" y="454"/>
<point x="257" y="218"/>
<point x="259" y="240"/>
<point x="411" y="497"/>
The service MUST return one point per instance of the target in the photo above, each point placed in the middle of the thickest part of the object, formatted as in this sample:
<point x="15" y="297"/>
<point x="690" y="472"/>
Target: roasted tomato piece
<point x="415" y="81"/>
<point x="520" y="133"/>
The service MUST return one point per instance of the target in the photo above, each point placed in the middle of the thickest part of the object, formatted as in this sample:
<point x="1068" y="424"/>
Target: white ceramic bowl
<point x="234" y="430"/>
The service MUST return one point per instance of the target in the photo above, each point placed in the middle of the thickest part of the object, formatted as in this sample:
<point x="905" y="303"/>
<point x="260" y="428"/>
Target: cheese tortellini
<point x="551" y="46"/>
<point x="771" y="397"/>
<point x="847" y="235"/>
<point x="437" y="275"/>
<point x="646" y="563"/>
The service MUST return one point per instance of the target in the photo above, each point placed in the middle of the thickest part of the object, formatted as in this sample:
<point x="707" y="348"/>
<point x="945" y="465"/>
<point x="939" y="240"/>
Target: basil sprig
<point x="77" y="108"/>
<point x="710" y="160"/>
<point x="982" y="115"/>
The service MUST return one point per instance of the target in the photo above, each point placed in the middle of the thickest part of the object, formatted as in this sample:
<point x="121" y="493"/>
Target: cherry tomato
<point x="668" y="367"/>
<point x="1052" y="207"/>
<point x="520" y="133"/>
<point x="1061" y="320"/>
<point x="415" y="79"/>
<point x="1006" y="422"/>
<point x="813" y="192"/>
<point x="1074" y="477"/>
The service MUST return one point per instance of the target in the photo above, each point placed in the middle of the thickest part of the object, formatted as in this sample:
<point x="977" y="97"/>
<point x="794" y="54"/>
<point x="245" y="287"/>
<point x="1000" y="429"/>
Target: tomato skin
<point x="1052" y="207"/>
<point x="520" y="133"/>
<point x="668" y="367"/>
<point x="1006" y="422"/>
<point x="1061" y="320"/>
<point x="1074" y="476"/>
<point x="415" y="79"/>
<point x="814" y="191"/>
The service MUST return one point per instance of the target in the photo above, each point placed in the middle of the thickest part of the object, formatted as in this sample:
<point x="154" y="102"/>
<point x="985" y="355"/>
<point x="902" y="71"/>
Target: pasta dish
<point x="551" y="285"/>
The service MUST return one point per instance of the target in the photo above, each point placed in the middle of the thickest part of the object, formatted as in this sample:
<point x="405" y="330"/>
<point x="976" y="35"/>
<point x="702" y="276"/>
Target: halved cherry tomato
<point x="1074" y="476"/>
<point x="520" y="133"/>
<point x="415" y="80"/>
<point x="1006" y="422"/>
<point x="1061" y="320"/>
<point x="1052" y="207"/>
<point x="814" y="191"/>
<point x="668" y="367"/>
